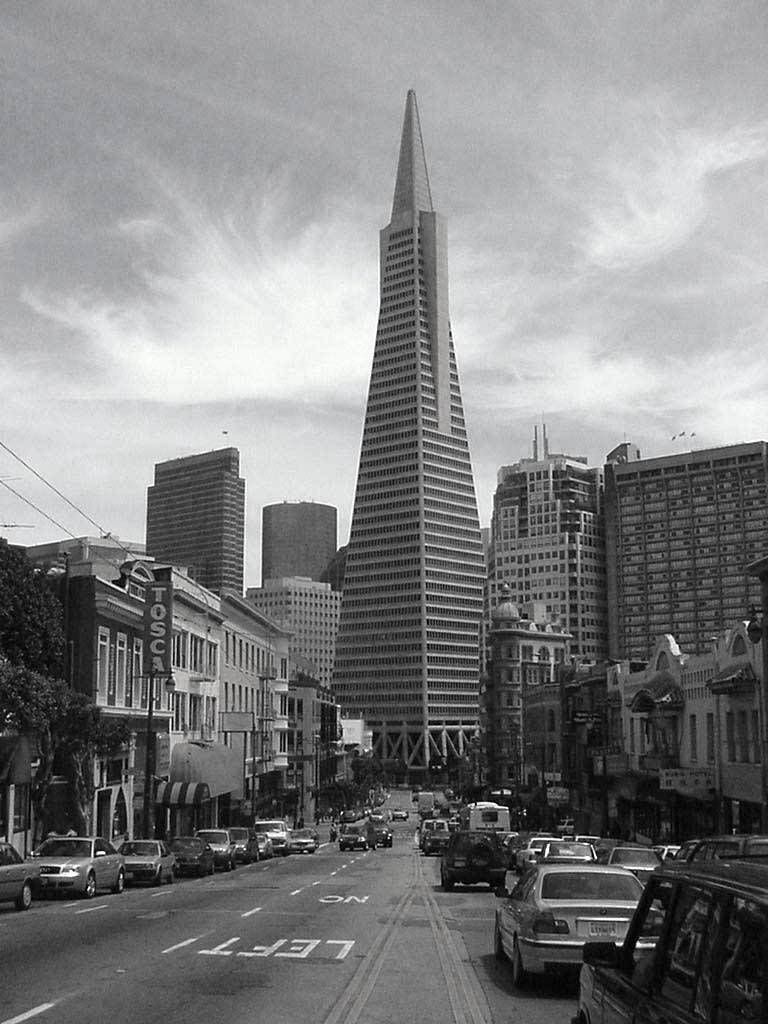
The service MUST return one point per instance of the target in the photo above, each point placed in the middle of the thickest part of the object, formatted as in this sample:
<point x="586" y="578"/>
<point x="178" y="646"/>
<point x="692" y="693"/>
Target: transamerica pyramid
<point x="407" y="657"/>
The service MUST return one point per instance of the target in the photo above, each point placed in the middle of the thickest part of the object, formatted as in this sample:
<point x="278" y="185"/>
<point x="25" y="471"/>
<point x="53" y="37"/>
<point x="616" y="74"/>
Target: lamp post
<point x="758" y="632"/>
<point x="148" y="824"/>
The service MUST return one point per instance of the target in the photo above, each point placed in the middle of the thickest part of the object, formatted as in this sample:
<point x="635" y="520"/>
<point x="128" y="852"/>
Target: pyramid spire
<point x="412" y="191"/>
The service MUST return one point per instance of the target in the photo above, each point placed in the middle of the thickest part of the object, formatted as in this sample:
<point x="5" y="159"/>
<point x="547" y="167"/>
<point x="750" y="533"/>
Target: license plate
<point x="602" y="928"/>
<point x="460" y="862"/>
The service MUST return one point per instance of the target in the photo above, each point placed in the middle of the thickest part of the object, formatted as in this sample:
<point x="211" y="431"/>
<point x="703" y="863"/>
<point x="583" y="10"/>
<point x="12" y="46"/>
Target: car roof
<point x="579" y="866"/>
<point x="728" y="871"/>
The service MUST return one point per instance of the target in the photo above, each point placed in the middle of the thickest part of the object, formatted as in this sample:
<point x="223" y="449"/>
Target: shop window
<point x="21" y="808"/>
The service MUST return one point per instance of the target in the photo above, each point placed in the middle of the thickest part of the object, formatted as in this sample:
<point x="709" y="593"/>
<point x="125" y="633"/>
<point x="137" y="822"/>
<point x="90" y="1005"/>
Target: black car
<point x="193" y="856"/>
<point x="695" y="950"/>
<point x="472" y="858"/>
<point x="354" y="837"/>
<point x="382" y="830"/>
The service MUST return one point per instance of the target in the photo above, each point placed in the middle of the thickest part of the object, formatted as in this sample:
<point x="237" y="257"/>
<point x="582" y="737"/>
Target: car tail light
<point x="547" y="924"/>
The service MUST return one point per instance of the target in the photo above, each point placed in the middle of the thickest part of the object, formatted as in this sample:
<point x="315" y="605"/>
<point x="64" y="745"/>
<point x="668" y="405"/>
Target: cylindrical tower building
<point x="298" y="538"/>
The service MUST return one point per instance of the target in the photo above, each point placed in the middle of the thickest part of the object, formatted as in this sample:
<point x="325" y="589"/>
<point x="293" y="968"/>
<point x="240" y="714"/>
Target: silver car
<point x="148" y="860"/>
<point x="80" y="864"/>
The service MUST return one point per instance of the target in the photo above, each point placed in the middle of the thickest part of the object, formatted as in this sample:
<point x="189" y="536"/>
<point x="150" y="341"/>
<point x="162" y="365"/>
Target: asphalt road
<point x="329" y="938"/>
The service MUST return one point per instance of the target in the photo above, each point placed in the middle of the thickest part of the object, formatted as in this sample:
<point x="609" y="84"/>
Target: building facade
<point x="547" y="544"/>
<point x="407" y="656"/>
<point x="196" y="518"/>
<point x="680" y="532"/>
<point x="298" y="538"/>
<point x="310" y="611"/>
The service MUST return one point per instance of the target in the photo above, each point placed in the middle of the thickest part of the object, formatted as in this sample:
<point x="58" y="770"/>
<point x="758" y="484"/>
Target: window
<point x="180" y="712"/>
<point x="743" y="736"/>
<point x="689" y="940"/>
<point x="744" y="981"/>
<point x="710" y="737"/>
<point x="121" y="667"/>
<point x="131" y="683"/>
<point x="730" y="735"/>
<point x="195" y="703"/>
<point x="692" y="733"/>
<point x="102" y="664"/>
<point x="21" y="807"/>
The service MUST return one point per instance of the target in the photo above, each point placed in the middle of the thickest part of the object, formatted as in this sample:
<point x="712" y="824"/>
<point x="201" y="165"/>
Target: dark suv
<point x="471" y="858"/>
<point x="695" y="951"/>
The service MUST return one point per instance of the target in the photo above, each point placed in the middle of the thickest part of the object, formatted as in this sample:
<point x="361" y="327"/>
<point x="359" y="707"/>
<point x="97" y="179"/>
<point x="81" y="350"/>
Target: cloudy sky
<point x="190" y="200"/>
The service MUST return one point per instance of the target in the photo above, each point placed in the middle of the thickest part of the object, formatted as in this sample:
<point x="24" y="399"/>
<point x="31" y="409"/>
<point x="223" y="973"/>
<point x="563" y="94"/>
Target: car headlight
<point x="69" y="872"/>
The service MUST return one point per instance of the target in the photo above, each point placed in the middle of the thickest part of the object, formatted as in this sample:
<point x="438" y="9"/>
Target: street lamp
<point x="149" y="762"/>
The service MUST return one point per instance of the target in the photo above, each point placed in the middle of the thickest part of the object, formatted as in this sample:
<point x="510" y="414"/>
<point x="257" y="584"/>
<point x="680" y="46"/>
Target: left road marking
<point x="29" y="1014"/>
<point x="248" y="913"/>
<point x="186" y="942"/>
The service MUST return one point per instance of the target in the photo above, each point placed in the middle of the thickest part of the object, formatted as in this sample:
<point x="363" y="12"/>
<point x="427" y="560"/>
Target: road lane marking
<point x="165" y="892"/>
<point x="186" y="942"/>
<point x="90" y="910"/>
<point x="346" y="945"/>
<point x="315" y="883"/>
<point x="220" y="950"/>
<point x="248" y="913"/>
<point x="29" y="1014"/>
<point x="296" y="892"/>
<point x="334" y="873"/>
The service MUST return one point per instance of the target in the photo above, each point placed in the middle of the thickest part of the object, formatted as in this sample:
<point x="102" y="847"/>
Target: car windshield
<point x="637" y="857"/>
<point x="192" y="845"/>
<point x="569" y="850"/>
<point x="302" y="833"/>
<point x="139" y="849"/>
<point x="66" y="848"/>
<point x="214" y="837"/>
<point x="353" y="830"/>
<point x="239" y="834"/>
<point x="268" y="826"/>
<point x="590" y="885"/>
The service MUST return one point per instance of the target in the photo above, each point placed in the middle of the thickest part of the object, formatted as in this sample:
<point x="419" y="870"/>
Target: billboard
<point x="158" y="627"/>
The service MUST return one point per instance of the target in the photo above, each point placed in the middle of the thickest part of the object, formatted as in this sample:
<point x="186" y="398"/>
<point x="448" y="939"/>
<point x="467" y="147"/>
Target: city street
<point x="333" y="938"/>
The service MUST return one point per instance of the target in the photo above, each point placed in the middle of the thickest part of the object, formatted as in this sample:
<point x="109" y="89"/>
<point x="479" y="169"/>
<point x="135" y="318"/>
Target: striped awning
<point x="182" y="794"/>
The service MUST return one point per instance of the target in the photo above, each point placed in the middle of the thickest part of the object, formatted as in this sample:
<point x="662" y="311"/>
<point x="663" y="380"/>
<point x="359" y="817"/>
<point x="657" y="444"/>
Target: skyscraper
<point x="548" y="543"/>
<point x="407" y="649"/>
<point x="298" y="538"/>
<point x="680" y="533"/>
<point x="196" y="517"/>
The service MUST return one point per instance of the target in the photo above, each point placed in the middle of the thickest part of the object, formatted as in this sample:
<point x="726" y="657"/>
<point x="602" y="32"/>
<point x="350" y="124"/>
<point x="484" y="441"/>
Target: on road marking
<point x="248" y="913"/>
<point x="296" y="892"/>
<point x="29" y="1014"/>
<point x="298" y="949"/>
<point x="165" y="892"/>
<point x="180" y="945"/>
<point x="90" y="910"/>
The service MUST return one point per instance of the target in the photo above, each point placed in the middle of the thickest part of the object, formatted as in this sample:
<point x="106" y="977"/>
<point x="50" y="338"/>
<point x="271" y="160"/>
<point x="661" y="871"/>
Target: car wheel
<point x="212" y="869"/>
<point x="24" y="899"/>
<point x="519" y="975"/>
<point x="170" y="877"/>
<point x="158" y="879"/>
<point x="498" y="945"/>
<point x="119" y="885"/>
<point x="446" y="882"/>
<point x="90" y="886"/>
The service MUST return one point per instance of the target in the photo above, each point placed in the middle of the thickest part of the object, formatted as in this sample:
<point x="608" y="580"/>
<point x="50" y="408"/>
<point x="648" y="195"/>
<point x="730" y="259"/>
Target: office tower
<point x="548" y="543"/>
<point x="310" y="610"/>
<point x="196" y="517"/>
<point x="680" y="531"/>
<point x="407" y="651"/>
<point x="298" y="538"/>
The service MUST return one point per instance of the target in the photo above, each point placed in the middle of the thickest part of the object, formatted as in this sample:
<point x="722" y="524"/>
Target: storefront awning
<point x="15" y="760"/>
<point x="181" y="794"/>
<point x="219" y="767"/>
<point x="662" y="691"/>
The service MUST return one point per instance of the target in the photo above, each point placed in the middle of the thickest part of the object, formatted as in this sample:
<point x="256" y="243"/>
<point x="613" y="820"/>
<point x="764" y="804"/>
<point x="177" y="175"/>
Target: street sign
<point x="558" y="795"/>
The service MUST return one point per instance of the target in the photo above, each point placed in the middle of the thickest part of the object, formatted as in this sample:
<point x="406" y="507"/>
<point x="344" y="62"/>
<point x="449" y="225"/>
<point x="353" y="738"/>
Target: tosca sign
<point x="158" y="627"/>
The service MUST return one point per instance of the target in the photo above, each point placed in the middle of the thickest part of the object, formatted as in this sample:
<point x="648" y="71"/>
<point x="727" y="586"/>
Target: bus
<point x="484" y="817"/>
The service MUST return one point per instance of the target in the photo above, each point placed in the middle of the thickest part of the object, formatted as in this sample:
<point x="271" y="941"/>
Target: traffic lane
<point x="470" y="911"/>
<point x="132" y="943"/>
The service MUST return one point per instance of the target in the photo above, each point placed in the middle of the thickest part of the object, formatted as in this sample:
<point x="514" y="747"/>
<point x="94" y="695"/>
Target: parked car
<point x="473" y="858"/>
<point x="723" y="847"/>
<point x="640" y="860"/>
<point x="148" y="860"/>
<point x="264" y="844"/>
<point x="193" y="856"/>
<point x="222" y="844"/>
<point x="277" y="830"/>
<point x="79" y="864"/>
<point x="399" y="814"/>
<point x="530" y="853"/>
<point x="303" y="840"/>
<point x="246" y="846"/>
<point x="694" y="951"/>
<point x="543" y="923"/>
<point x="568" y="853"/>
<point x="434" y="836"/>
<point x="18" y="877"/>
<point x="354" y="837"/>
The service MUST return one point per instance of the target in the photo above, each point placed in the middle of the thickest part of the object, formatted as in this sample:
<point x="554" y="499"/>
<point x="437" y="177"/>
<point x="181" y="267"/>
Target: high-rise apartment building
<point x="310" y="610"/>
<point x="407" y="656"/>
<point x="298" y="538"/>
<point x="680" y="532"/>
<point x="548" y="544"/>
<point x="196" y="517"/>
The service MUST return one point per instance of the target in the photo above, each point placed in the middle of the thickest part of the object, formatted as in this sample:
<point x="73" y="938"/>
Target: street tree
<point x="31" y="616"/>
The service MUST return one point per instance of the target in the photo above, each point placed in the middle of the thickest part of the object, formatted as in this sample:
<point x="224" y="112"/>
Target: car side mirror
<point x="606" y="954"/>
